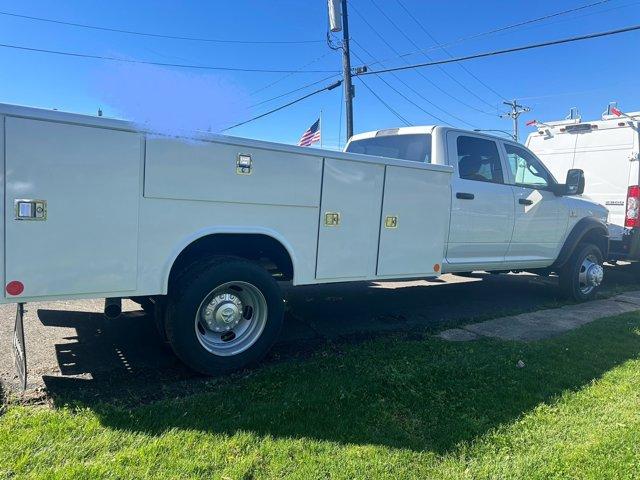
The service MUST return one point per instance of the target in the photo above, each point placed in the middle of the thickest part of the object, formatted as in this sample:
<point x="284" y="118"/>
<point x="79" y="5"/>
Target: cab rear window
<point x="413" y="147"/>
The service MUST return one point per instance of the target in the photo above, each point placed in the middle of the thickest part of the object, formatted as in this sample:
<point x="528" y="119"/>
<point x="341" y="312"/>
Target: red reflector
<point x="633" y="207"/>
<point x="14" y="288"/>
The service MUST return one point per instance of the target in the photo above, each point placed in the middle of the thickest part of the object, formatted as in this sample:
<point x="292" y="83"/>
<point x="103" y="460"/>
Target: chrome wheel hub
<point x="231" y="318"/>
<point x="590" y="274"/>
<point x="595" y="274"/>
<point x="223" y="313"/>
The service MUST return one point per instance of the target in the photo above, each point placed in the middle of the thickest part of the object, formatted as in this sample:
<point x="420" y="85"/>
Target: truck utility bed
<point x="95" y="207"/>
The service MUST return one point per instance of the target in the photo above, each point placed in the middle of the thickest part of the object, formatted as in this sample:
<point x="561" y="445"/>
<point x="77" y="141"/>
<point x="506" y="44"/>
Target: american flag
<point x="311" y="136"/>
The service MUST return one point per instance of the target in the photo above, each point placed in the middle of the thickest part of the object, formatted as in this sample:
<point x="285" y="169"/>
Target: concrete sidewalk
<point x="542" y="324"/>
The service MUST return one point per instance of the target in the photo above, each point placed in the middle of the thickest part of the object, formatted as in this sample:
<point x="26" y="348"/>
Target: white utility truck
<point x="202" y="230"/>
<point x="607" y="150"/>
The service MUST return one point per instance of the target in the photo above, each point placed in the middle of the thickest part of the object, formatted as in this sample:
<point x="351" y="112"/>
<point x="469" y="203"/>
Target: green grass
<point x="397" y="407"/>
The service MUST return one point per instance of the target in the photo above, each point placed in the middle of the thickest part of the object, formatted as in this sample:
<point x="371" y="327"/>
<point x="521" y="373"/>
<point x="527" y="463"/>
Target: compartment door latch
<point x="29" y="209"/>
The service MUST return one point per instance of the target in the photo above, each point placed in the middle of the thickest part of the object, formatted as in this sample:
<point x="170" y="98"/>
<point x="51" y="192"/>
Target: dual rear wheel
<point x="223" y="314"/>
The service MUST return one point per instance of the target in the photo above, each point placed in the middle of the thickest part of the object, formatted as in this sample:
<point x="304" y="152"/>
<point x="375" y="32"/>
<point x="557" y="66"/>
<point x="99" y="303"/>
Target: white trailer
<point x="607" y="150"/>
<point x="201" y="230"/>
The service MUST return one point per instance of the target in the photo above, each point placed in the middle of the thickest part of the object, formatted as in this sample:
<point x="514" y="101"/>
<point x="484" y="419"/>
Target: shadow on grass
<point x="408" y="393"/>
<point x="125" y="359"/>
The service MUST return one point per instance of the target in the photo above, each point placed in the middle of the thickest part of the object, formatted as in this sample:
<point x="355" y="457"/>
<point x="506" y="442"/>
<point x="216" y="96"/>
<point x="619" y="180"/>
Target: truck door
<point x="482" y="212"/>
<point x="540" y="219"/>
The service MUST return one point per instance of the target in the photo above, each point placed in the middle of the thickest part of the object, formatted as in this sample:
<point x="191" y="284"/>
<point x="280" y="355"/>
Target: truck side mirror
<point x="574" y="184"/>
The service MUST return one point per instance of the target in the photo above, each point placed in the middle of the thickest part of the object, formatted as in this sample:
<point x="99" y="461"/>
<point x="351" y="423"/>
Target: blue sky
<point x="551" y="80"/>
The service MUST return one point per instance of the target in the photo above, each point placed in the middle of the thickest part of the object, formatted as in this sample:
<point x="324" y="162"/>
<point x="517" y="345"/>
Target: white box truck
<point x="607" y="151"/>
<point x="202" y="230"/>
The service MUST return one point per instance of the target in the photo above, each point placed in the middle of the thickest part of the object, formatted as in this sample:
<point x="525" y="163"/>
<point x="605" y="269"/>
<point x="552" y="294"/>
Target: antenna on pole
<point x="514" y="114"/>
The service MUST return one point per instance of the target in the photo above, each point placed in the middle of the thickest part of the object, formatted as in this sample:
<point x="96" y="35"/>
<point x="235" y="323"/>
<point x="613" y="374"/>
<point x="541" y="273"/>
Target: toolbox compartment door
<point x="349" y="219"/>
<point x="415" y="220"/>
<point x="90" y="180"/>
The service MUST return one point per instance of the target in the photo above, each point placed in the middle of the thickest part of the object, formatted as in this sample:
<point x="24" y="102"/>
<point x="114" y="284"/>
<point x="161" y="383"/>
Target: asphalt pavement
<point x="71" y="347"/>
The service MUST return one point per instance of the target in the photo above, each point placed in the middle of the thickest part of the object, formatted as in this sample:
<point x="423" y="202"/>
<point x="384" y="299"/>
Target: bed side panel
<point x="90" y="179"/>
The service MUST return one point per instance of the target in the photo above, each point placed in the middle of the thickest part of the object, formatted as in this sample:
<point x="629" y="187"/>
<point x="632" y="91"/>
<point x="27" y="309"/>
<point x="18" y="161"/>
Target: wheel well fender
<point x="254" y="244"/>
<point x="586" y="230"/>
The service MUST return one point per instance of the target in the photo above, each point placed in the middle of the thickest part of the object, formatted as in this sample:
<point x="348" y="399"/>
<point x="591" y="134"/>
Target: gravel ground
<point x="71" y="347"/>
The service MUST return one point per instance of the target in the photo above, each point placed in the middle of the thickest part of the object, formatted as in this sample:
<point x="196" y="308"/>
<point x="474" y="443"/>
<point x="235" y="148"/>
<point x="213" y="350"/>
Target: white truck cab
<point x="508" y="212"/>
<point x="607" y="150"/>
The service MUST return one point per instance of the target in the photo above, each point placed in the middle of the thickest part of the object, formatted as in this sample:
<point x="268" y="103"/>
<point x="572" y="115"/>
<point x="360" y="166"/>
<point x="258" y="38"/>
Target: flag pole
<point x="321" y="139"/>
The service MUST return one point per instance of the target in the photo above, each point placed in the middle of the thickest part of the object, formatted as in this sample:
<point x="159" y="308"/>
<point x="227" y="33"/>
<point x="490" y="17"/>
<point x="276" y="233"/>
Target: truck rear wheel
<point x="223" y="314"/>
<point x="581" y="277"/>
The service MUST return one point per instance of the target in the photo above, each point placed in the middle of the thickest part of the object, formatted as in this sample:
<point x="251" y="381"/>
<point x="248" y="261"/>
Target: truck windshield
<point x="414" y="147"/>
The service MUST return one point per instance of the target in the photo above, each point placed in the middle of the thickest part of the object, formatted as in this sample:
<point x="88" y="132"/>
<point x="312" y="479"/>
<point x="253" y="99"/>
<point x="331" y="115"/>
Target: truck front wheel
<point x="223" y="314"/>
<point x="581" y="277"/>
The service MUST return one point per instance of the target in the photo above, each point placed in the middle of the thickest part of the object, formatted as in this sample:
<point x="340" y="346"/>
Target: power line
<point x="300" y="69"/>
<point x="161" y="64"/>
<point x="400" y="93"/>
<point x="501" y="29"/>
<point x="160" y="35"/>
<point x="423" y="28"/>
<point x="506" y="50"/>
<point x="443" y="70"/>
<point x="400" y="117"/>
<point x="294" y="90"/>
<point x="329" y="87"/>
<point x="435" y="85"/>
<point x="410" y="88"/>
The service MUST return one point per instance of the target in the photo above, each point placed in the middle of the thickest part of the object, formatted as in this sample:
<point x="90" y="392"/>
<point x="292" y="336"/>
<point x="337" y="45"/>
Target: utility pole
<point x="346" y="70"/>
<point x="339" y="20"/>
<point x="514" y="114"/>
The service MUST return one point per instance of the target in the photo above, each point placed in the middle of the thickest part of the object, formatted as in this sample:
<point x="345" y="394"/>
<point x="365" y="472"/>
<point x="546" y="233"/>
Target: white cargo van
<point x="201" y="230"/>
<point x="607" y="151"/>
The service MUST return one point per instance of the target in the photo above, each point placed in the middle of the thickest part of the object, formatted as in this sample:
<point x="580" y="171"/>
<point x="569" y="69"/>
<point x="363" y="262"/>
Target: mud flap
<point x="19" y="350"/>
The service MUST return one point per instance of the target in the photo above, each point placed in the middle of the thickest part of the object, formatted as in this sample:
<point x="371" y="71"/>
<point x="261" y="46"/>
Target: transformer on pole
<point x="514" y="114"/>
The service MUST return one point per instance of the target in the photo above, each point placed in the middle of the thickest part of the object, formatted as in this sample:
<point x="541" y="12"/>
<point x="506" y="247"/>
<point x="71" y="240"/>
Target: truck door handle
<point x="525" y="201"/>
<point x="465" y="196"/>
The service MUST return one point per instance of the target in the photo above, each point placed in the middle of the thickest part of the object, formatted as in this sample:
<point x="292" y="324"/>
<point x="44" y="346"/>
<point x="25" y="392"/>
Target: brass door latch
<point x="331" y="219"/>
<point x="391" y="221"/>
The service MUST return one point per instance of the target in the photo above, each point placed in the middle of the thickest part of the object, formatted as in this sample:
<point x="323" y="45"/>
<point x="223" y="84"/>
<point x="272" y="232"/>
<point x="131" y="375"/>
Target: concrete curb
<point x="541" y="324"/>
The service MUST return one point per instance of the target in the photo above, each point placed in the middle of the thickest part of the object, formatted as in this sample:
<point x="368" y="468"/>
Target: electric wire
<point x="294" y="90"/>
<point x="500" y="29"/>
<point x="431" y="82"/>
<point x="577" y="38"/>
<point x="161" y="64"/>
<point x="412" y="42"/>
<point x="410" y="88"/>
<point x="300" y="69"/>
<point x="391" y="109"/>
<point x="160" y="35"/>
<point x="315" y="92"/>
<point x="444" y="49"/>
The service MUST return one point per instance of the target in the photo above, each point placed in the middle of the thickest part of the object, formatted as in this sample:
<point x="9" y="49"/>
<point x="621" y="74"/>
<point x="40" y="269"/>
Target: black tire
<point x="570" y="273"/>
<point x="193" y="286"/>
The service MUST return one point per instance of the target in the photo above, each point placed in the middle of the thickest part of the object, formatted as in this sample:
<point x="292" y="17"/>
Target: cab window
<point x="478" y="159"/>
<point x="526" y="169"/>
<point x="414" y="147"/>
